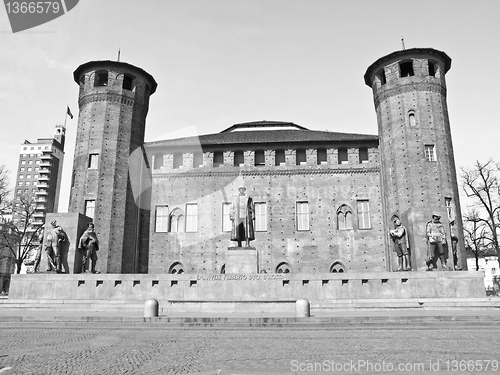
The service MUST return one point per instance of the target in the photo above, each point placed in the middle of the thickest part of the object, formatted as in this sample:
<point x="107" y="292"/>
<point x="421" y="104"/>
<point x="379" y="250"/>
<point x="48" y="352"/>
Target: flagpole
<point x="65" y="117"/>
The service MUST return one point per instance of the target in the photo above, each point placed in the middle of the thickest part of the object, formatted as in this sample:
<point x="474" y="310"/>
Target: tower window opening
<point x="218" y="158"/>
<point x="260" y="159"/>
<point x="321" y="155"/>
<point x="381" y="77"/>
<point x="406" y="69"/>
<point x="178" y="160"/>
<point x="101" y="79"/>
<point x="433" y="67"/>
<point x="343" y="158"/>
<point x="239" y="158"/>
<point x="93" y="161"/>
<point x="128" y="82"/>
<point x="279" y="157"/>
<point x="158" y="161"/>
<point x="363" y="155"/>
<point x="412" y="119"/>
<point x="198" y="159"/>
<point x="430" y="153"/>
<point x="301" y="156"/>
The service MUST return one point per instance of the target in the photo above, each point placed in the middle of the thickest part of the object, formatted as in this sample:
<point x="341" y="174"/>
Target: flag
<point x="69" y="113"/>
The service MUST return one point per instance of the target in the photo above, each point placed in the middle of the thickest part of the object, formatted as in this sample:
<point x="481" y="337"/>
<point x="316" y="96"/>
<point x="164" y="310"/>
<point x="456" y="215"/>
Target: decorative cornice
<point x="107" y="97"/>
<point x="160" y="176"/>
<point x="382" y="94"/>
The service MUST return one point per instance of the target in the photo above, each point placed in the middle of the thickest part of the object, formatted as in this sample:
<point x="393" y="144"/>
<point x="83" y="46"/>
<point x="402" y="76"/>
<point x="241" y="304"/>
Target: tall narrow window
<point x="161" y="224"/>
<point x="363" y="155"/>
<point x="406" y="69"/>
<point x="158" y="161"/>
<point x="128" y="82"/>
<point x="90" y="208"/>
<point x="321" y="155"/>
<point x="226" y="221"/>
<point x="430" y="153"/>
<point x="101" y="79"/>
<point x="412" y="119"/>
<point x="178" y="160"/>
<point x="381" y="76"/>
<point x="176" y="221"/>
<point x="260" y="217"/>
<point x="279" y="157"/>
<point x="239" y="158"/>
<point x="364" y="214"/>
<point x="218" y="158"/>
<point x="432" y="68"/>
<point x="300" y="156"/>
<point x="260" y="159"/>
<point x="302" y="215"/>
<point x="198" y="159"/>
<point x="449" y="208"/>
<point x="343" y="158"/>
<point x="344" y="218"/>
<point x="93" y="161"/>
<point x="191" y="217"/>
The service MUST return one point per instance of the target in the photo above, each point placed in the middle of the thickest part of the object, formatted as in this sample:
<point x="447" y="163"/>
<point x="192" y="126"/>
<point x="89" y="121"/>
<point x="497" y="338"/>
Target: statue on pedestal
<point x="454" y="243"/>
<point x="54" y="236"/>
<point x="89" y="245"/>
<point x="436" y="238"/>
<point x="242" y="216"/>
<point x="401" y="246"/>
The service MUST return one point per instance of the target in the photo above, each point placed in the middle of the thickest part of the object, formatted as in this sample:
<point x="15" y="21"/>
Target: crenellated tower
<point x="418" y="172"/>
<point x="113" y="102"/>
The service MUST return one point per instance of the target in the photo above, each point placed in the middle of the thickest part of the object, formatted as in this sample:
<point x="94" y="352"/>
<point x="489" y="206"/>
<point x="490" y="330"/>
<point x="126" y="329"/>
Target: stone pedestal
<point x="74" y="224"/>
<point x="242" y="260"/>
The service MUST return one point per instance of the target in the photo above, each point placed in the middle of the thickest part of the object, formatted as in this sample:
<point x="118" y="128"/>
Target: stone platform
<point x="262" y="293"/>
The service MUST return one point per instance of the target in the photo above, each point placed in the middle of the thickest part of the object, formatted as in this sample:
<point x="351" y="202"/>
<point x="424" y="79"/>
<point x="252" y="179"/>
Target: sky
<point x="221" y="62"/>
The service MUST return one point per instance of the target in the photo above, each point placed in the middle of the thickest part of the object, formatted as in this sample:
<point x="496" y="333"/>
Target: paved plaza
<point x="156" y="348"/>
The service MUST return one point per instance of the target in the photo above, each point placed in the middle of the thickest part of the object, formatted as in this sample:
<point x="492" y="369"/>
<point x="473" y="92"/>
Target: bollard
<point x="151" y="308"/>
<point x="302" y="309"/>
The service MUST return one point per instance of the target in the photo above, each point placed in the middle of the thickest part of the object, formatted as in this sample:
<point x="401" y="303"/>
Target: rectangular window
<point x="127" y="82"/>
<point x="260" y="158"/>
<point x="191" y="217"/>
<point x="279" y="157"/>
<point x="218" y="158"/>
<point x="364" y="214"/>
<point x="93" y="161"/>
<point x="161" y="223"/>
<point x="430" y="153"/>
<point x="23" y="162"/>
<point x="197" y="159"/>
<point x="261" y="217"/>
<point x="300" y="156"/>
<point x="302" y="215"/>
<point x="363" y="155"/>
<point x="178" y="160"/>
<point x="343" y="158"/>
<point x="158" y="161"/>
<point x="449" y="208"/>
<point x="90" y="208"/>
<point x="226" y="221"/>
<point x="321" y="155"/>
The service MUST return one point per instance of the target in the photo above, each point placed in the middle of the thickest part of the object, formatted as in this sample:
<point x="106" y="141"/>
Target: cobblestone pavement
<point x="118" y="348"/>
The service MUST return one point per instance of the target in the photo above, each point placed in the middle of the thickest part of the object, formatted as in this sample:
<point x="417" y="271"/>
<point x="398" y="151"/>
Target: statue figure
<point x="38" y="257"/>
<point x="54" y="236"/>
<point x="89" y="245"/>
<point x="436" y="238"/>
<point x="242" y="216"/>
<point x="401" y="245"/>
<point x="454" y="243"/>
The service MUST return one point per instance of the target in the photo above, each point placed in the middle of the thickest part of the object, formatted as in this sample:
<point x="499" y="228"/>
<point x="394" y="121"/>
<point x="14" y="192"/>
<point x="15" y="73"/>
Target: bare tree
<point x="482" y="185"/>
<point x="475" y="234"/>
<point x="19" y="235"/>
<point x="4" y="186"/>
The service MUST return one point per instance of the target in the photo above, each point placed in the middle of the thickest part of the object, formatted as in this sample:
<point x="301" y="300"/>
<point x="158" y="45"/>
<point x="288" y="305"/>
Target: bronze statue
<point x="436" y="238"/>
<point x="242" y="215"/>
<point x="54" y="236"/>
<point x="454" y="243"/>
<point x="401" y="246"/>
<point x="89" y="245"/>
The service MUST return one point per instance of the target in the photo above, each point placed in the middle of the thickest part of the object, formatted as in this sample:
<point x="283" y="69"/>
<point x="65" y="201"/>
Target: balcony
<point x="43" y="185"/>
<point x="46" y="164"/>
<point x="42" y="192"/>
<point x="40" y="200"/>
<point x="41" y="207"/>
<point x="37" y="215"/>
<point x="44" y="178"/>
<point x="44" y="171"/>
<point x="46" y="156"/>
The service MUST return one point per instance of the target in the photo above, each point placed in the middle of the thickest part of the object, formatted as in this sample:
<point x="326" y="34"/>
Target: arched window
<point x="344" y="218"/>
<point x="101" y="78"/>
<point x="412" y="119"/>
<point x="223" y="269"/>
<point x="176" y="221"/>
<point x="283" y="267"/>
<point x="176" y="268"/>
<point x="337" y="267"/>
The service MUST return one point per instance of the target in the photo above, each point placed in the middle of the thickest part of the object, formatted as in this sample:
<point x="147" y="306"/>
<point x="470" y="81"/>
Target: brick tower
<point x="418" y="174"/>
<point x="113" y="101"/>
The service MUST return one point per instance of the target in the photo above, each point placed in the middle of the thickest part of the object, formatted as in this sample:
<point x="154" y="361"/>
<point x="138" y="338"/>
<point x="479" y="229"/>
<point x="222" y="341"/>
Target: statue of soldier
<point x="54" y="236"/>
<point x="436" y="238"/>
<point x="242" y="216"/>
<point x="399" y="237"/>
<point x="89" y="245"/>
